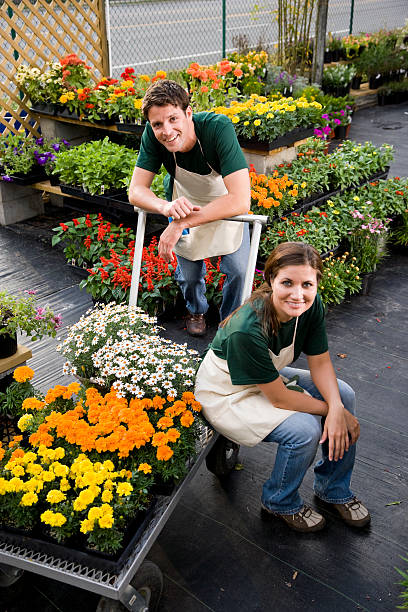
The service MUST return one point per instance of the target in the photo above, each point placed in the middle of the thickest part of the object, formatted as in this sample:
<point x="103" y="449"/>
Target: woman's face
<point x="294" y="291"/>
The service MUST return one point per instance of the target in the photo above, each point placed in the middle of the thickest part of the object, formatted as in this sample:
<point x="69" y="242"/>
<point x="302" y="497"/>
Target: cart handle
<point x="256" y="220"/>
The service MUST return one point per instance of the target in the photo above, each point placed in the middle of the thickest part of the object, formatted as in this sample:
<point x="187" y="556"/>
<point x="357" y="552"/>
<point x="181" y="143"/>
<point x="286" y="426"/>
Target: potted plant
<point x="20" y="313"/>
<point x="87" y="239"/>
<point x="340" y="275"/>
<point x="11" y="400"/>
<point x="333" y="49"/>
<point x="337" y="79"/>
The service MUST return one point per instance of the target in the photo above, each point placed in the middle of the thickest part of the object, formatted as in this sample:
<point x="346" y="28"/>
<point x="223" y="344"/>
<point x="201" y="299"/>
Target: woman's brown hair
<point x="285" y="254"/>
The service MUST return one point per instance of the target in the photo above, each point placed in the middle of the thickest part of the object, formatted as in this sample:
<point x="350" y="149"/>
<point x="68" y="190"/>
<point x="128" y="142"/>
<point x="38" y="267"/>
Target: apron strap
<point x="202" y="153"/>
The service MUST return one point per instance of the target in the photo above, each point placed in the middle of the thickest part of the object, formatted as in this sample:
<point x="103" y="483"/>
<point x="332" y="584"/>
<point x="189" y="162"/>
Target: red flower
<point x="64" y="227"/>
<point x="87" y="242"/>
<point x="75" y="222"/>
<point x="89" y="105"/>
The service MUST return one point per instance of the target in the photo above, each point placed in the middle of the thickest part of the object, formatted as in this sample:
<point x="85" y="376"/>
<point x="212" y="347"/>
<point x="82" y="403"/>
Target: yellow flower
<point x="108" y="465"/>
<point x="106" y="522"/>
<point x="86" y="526"/>
<point x="257" y="122"/>
<point x="22" y="374"/>
<point x="63" y="99"/>
<point x="235" y="119"/>
<point x="64" y="485"/>
<point x="336" y="212"/>
<point x="29" y="499"/>
<point x="55" y="496"/>
<point x="137" y="103"/>
<point x="124" y="488"/>
<point x="107" y="496"/>
<point x="356" y="199"/>
<point x="144" y="467"/>
<point x="246" y="122"/>
<point x="94" y="513"/>
<point x="18" y="470"/>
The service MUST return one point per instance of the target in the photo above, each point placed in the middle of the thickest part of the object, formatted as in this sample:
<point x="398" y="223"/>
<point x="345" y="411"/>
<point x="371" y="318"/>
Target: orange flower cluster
<point x="114" y="424"/>
<point x="212" y="75"/>
<point x="267" y="191"/>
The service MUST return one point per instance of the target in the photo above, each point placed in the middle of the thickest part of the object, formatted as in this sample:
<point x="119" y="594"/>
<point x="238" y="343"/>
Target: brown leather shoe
<point x="196" y="325"/>
<point x="304" y="521"/>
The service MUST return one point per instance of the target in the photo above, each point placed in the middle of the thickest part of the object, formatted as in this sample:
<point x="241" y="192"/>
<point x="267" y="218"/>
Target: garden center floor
<point x="216" y="551"/>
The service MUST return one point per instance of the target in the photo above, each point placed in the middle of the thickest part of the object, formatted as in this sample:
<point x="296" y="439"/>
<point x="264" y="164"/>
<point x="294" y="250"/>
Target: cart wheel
<point x="148" y="581"/>
<point x="223" y="456"/>
<point x="9" y="574"/>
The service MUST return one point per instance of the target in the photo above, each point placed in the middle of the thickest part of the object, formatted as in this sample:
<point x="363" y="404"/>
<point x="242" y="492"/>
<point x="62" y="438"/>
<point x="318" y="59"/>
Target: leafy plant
<point x="11" y="400"/>
<point x="403" y="583"/>
<point x="20" y="155"/>
<point x="339" y="76"/>
<point x="367" y="241"/>
<point x="96" y="166"/>
<point x="340" y="274"/>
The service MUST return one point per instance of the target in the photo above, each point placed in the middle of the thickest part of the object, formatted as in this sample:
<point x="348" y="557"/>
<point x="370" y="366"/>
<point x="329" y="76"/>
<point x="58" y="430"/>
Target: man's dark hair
<point x="165" y="92"/>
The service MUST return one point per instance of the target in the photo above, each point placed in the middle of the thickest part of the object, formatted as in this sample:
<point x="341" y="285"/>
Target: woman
<point x="249" y="394"/>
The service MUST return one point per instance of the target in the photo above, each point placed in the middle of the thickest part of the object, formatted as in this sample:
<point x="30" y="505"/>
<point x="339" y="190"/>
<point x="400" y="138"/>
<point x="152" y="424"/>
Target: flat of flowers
<point x="285" y="140"/>
<point x="74" y="551"/>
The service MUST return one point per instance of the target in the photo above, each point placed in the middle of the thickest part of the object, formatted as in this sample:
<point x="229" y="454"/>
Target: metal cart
<point x="137" y="586"/>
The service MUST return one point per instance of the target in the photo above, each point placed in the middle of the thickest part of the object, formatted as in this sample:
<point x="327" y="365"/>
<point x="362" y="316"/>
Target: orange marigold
<point x="159" y="439"/>
<point x="187" y="397"/>
<point x="173" y="435"/>
<point x="23" y="373"/>
<point x="187" y="418"/>
<point x="32" y="403"/>
<point x="164" y="453"/>
<point x="144" y="467"/>
<point x="164" y="422"/>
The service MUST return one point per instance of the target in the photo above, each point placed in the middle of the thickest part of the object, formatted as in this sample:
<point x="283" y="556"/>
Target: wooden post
<point x="104" y="40"/>
<point x="320" y="41"/>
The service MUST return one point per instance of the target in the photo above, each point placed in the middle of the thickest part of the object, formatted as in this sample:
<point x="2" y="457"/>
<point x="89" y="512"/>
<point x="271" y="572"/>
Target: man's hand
<point x="180" y="208"/>
<point x="168" y="239"/>
<point x="353" y="426"/>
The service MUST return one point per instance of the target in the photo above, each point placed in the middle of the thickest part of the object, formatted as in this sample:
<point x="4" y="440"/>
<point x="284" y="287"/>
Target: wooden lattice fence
<point x="37" y="32"/>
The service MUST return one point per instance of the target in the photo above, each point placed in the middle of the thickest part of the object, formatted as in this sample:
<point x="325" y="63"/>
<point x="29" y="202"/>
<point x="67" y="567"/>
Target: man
<point x="209" y="181"/>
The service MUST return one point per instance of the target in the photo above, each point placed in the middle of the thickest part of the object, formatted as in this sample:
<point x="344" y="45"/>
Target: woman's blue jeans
<point x="298" y="438"/>
<point x="190" y="277"/>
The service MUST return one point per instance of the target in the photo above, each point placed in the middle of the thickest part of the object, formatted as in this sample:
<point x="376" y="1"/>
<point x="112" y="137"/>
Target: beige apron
<point x="214" y="238"/>
<point x="241" y="413"/>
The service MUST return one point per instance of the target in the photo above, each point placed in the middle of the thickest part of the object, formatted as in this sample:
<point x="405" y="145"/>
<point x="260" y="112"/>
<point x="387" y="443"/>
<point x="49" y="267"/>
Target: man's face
<point x="173" y="127"/>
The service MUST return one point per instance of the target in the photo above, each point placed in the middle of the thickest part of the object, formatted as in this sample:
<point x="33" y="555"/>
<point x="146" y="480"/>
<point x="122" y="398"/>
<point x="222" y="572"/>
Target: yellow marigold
<point x="144" y="77"/>
<point x="106" y="521"/>
<point x="144" y="467"/>
<point x="94" y="513"/>
<point x="55" y="496"/>
<point x="107" y="496"/>
<point x="29" y="499"/>
<point x="137" y="103"/>
<point x="161" y="74"/>
<point x="164" y="453"/>
<point x="124" y="489"/>
<point x="18" y="470"/>
<point x="24" y="422"/>
<point x="55" y="519"/>
<point x="22" y="374"/>
<point x="257" y="122"/>
<point x="187" y="418"/>
<point x="64" y="485"/>
<point x="63" y="99"/>
<point x="32" y="403"/>
<point x="86" y="526"/>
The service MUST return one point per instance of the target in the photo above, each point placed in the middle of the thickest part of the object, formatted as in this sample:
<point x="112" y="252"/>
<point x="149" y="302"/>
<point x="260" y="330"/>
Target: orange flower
<point x="187" y="418"/>
<point x="165" y="422"/>
<point x="32" y="403"/>
<point x="173" y="435"/>
<point x="144" y="467"/>
<point x="159" y="439"/>
<point x="238" y="72"/>
<point x="22" y="374"/>
<point x="13" y="442"/>
<point x="187" y="397"/>
<point x="164" y="453"/>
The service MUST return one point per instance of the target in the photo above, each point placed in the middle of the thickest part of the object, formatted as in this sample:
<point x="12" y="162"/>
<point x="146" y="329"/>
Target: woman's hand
<point x="337" y="433"/>
<point x="353" y="426"/>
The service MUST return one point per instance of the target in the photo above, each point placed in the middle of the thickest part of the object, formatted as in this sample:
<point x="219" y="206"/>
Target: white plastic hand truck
<point x="138" y="584"/>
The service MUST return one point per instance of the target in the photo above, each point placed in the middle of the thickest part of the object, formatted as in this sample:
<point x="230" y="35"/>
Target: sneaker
<point x="353" y="513"/>
<point x="196" y="325"/>
<point x="305" y="520"/>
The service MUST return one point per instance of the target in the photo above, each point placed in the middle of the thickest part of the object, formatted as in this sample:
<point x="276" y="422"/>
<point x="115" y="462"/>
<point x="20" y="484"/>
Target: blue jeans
<point x="190" y="277"/>
<point x="298" y="438"/>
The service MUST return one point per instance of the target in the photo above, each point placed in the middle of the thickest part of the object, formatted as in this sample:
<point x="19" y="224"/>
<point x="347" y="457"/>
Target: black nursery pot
<point x="8" y="345"/>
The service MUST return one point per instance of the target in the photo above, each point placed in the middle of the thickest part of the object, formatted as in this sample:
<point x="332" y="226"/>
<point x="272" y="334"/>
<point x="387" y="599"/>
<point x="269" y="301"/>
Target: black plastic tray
<point x="286" y="139"/>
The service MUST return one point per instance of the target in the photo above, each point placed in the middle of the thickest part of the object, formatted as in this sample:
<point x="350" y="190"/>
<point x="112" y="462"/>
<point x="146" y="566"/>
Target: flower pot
<point x="134" y="128"/>
<point x="375" y="81"/>
<point x="289" y="138"/>
<point x="356" y="82"/>
<point x="342" y="131"/>
<point x="8" y="345"/>
<point x="66" y="113"/>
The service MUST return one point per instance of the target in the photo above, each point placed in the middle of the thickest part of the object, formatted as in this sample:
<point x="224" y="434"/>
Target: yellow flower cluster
<point x="69" y="95"/>
<point x="55" y="519"/>
<point x="259" y="106"/>
<point x="103" y="515"/>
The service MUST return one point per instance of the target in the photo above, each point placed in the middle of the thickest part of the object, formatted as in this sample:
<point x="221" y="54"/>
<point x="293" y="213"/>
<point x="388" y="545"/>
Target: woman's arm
<point x="339" y="422"/>
<point x="286" y="399"/>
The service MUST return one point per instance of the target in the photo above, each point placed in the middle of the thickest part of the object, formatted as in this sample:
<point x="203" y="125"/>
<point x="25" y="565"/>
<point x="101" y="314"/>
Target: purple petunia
<point x="7" y="178"/>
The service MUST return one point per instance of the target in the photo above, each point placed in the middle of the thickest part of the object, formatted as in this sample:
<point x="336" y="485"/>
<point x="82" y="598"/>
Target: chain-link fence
<point x="169" y="34"/>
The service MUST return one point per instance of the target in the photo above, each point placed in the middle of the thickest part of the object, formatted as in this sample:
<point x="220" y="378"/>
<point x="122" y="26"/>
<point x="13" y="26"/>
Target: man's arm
<point x="236" y="202"/>
<point x="142" y="196"/>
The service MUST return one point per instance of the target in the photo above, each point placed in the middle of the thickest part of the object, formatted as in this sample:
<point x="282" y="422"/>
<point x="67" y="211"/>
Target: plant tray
<point x="96" y="199"/>
<point x="28" y="179"/>
<point x="77" y="553"/>
<point x="43" y="109"/>
<point x="82" y="272"/>
<point x="135" y="128"/>
<point x="286" y="139"/>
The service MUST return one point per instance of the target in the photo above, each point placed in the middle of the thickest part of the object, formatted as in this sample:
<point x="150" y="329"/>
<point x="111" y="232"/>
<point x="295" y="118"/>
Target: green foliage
<point x="20" y="154"/>
<point x="96" y="166"/>
<point x="404" y="584"/>
<point x="340" y="75"/>
<point x="340" y="274"/>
